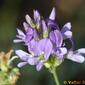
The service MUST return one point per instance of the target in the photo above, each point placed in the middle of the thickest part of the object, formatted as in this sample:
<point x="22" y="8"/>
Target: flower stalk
<point x="55" y="76"/>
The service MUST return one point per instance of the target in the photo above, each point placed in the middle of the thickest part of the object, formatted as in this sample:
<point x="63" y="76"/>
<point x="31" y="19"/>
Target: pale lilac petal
<point x="45" y="30"/>
<point x="37" y="19"/>
<point x="28" y="19"/>
<point x="82" y="50"/>
<point x="32" y="61"/>
<point x="68" y="34"/>
<point x="38" y="24"/>
<point x="20" y="32"/>
<point x="29" y="35"/>
<point x="77" y="58"/>
<point x="59" y="38"/>
<point x="33" y="47"/>
<point x="53" y="14"/>
<point x="28" y="39"/>
<point x="56" y="37"/>
<point x="67" y="25"/>
<point x="35" y="35"/>
<point x="39" y="66"/>
<point x="45" y="46"/>
<point x="26" y="26"/>
<point x="21" y="64"/>
<point x="52" y="25"/>
<point x="29" y="31"/>
<point x="63" y="50"/>
<point x="23" y="55"/>
<point x="48" y="49"/>
<point x="52" y="37"/>
<point x="20" y="37"/>
<point x="36" y="16"/>
<point x="17" y="41"/>
<point x="44" y="27"/>
<point x="60" y="52"/>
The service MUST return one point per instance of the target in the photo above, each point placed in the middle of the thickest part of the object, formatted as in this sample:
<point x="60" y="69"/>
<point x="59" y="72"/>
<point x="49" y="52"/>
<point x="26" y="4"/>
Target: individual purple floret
<point x="28" y="59"/>
<point x="46" y="42"/>
<point x="76" y="56"/>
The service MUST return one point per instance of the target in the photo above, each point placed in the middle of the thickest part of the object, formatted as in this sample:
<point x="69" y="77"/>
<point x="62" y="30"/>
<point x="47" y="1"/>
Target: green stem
<point x="55" y="77"/>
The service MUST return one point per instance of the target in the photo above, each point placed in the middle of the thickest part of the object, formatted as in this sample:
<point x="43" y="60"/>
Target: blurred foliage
<point x="8" y="74"/>
<point x="12" y="13"/>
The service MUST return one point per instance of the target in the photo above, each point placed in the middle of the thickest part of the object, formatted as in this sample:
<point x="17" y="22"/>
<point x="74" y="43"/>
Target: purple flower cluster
<point x="45" y="40"/>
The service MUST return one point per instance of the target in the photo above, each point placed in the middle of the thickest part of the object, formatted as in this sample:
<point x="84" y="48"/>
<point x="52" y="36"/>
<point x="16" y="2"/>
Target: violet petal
<point x="45" y="46"/>
<point x="82" y="50"/>
<point x="23" y="55"/>
<point x="33" y="61"/>
<point x="57" y="36"/>
<point x="53" y="14"/>
<point x="39" y="66"/>
<point x="44" y="27"/>
<point x="36" y="16"/>
<point x="17" y="41"/>
<point x="33" y="47"/>
<point x="20" y="32"/>
<point x="28" y="19"/>
<point x="26" y="26"/>
<point x="21" y="64"/>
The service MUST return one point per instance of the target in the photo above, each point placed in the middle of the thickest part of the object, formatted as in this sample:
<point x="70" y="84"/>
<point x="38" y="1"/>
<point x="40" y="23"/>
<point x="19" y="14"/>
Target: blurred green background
<point x="12" y="14"/>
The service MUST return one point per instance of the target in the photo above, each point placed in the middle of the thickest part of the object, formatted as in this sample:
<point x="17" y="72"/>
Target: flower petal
<point x="33" y="47"/>
<point x="29" y="35"/>
<point x="39" y="66"/>
<point x="44" y="27"/>
<point x="53" y="14"/>
<point x="56" y="38"/>
<point x="67" y="26"/>
<point x="60" y="52"/>
<point x="26" y="26"/>
<point x="75" y="57"/>
<point x="35" y="35"/>
<point x="63" y="50"/>
<point x="29" y="31"/>
<point x="82" y="50"/>
<point x="45" y="30"/>
<point x="52" y="24"/>
<point x="52" y="37"/>
<point x="17" y="41"/>
<point x="21" y="64"/>
<point x="48" y="49"/>
<point x="68" y="34"/>
<point x="36" y="16"/>
<point x="23" y="55"/>
<point x="45" y="46"/>
<point x="28" y="19"/>
<point x="20" y="33"/>
<point x="32" y="61"/>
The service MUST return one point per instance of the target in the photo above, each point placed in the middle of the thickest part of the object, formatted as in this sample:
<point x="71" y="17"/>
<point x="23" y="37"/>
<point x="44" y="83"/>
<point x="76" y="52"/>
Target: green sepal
<point x="53" y="62"/>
